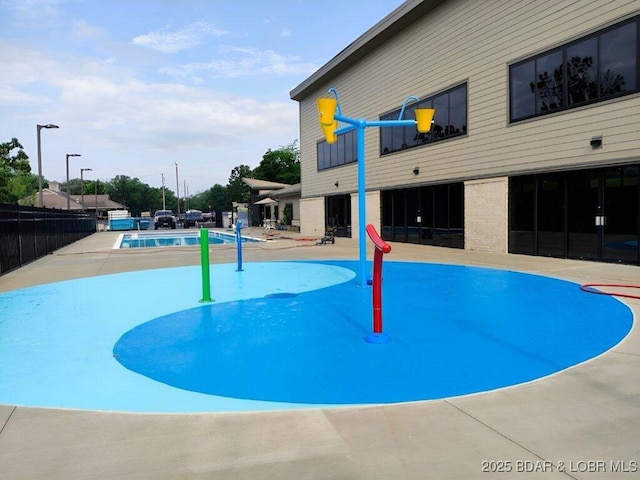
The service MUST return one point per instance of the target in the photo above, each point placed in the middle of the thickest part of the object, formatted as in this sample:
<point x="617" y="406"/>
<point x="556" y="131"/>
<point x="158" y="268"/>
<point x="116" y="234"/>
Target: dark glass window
<point x="450" y="120"/>
<point x="619" y="60"/>
<point x="340" y="153"/>
<point x="523" y="98"/>
<point x="588" y="214"/>
<point x="548" y="83"/>
<point x="591" y="69"/>
<point x="441" y="117"/>
<point x="522" y="209"/>
<point x="429" y="215"/>
<point x="582" y="72"/>
<point x="458" y="111"/>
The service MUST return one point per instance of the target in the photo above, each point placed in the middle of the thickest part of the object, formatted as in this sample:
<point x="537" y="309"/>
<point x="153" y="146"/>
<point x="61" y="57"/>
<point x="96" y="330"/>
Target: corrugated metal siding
<point x="468" y="40"/>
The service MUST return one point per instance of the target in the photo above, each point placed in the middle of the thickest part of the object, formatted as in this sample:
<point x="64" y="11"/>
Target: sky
<point x="138" y="85"/>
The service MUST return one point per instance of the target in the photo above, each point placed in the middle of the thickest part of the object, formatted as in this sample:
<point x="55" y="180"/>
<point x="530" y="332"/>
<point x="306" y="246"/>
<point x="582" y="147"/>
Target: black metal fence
<point x="28" y="233"/>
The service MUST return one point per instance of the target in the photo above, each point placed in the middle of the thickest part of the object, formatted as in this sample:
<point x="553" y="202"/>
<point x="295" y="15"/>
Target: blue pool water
<point x="292" y="335"/>
<point x="174" y="239"/>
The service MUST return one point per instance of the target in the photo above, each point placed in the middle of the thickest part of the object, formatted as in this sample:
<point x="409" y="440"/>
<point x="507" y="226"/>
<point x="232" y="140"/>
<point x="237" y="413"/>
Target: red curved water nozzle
<point x="377" y="241"/>
<point x="382" y="247"/>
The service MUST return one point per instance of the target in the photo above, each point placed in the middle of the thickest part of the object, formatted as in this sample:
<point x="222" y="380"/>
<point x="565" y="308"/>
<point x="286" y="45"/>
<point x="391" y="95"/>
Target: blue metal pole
<point x="239" y="244"/>
<point x="362" y="209"/>
<point x="360" y="125"/>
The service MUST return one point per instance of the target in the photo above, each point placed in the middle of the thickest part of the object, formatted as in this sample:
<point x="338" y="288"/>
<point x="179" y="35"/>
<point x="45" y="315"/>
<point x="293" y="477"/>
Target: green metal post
<point x="204" y="260"/>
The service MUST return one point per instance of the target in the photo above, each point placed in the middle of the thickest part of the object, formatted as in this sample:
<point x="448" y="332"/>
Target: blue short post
<point x="204" y="261"/>
<point x="239" y="244"/>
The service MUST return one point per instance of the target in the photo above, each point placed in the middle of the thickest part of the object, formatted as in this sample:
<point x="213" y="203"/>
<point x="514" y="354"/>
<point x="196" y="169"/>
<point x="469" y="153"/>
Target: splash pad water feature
<point x="285" y="335"/>
<point x="292" y="335"/>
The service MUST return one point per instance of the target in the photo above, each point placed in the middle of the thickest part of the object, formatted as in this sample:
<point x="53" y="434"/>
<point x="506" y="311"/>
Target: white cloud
<point x="286" y="33"/>
<point x="244" y="62"/>
<point x="32" y="13"/>
<point x="170" y="42"/>
<point x="81" y="31"/>
<point x="124" y="125"/>
<point x="12" y="96"/>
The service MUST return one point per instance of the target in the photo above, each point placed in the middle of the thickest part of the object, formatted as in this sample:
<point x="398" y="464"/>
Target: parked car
<point x="164" y="218"/>
<point x="191" y="217"/>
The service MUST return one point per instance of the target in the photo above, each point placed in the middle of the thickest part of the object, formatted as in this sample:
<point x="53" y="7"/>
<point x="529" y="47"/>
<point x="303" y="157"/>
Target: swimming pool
<point x="174" y="239"/>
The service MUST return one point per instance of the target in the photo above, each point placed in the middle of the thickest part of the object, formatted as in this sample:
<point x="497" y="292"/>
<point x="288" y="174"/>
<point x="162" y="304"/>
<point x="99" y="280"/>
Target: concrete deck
<point x="583" y="423"/>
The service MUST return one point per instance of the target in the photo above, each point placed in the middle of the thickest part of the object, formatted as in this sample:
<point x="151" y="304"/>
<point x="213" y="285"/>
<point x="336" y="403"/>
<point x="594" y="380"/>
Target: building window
<point x="287" y="214"/>
<point x="450" y="120"/>
<point x="340" y="153"/>
<point x="591" y="214"/>
<point x="592" y="69"/>
<point x="429" y="215"/>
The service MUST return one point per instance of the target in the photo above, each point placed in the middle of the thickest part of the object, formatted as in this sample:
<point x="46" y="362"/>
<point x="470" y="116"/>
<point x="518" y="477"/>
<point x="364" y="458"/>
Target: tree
<point x="137" y="196"/>
<point x="75" y="186"/>
<point x="238" y="190"/>
<point x="16" y="180"/>
<point x="94" y="186"/>
<point x="281" y="165"/>
<point x="218" y="198"/>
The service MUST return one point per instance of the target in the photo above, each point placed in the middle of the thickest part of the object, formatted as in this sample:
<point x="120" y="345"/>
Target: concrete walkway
<point x="582" y="423"/>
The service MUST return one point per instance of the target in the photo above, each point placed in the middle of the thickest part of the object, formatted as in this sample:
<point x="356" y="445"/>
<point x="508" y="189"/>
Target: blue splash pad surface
<point x="291" y="335"/>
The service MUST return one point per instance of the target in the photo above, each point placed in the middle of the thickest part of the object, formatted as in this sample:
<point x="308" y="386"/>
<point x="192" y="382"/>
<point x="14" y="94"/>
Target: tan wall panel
<point x="474" y="41"/>
<point x="485" y="207"/>
<point x="372" y="213"/>
<point x="312" y="216"/>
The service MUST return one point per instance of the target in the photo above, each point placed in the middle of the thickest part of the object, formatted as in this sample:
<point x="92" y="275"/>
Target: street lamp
<point x="186" y="195"/>
<point x="82" y="170"/>
<point x="38" y="128"/>
<point x="68" y="190"/>
<point x="164" y="202"/>
<point x="177" y="188"/>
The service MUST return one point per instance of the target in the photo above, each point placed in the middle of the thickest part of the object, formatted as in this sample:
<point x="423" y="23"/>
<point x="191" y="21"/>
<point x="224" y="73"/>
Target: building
<point x="288" y="200"/>
<point x="534" y="147"/>
<point x="262" y="208"/>
<point x="53" y="197"/>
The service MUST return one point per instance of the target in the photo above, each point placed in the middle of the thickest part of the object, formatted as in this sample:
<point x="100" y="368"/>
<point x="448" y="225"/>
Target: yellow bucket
<point x="326" y="110"/>
<point x="424" y="117"/>
<point x="329" y="132"/>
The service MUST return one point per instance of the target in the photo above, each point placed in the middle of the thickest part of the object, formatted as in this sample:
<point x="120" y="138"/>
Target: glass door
<point x="551" y="217"/>
<point x="338" y="209"/>
<point x="585" y="214"/>
<point x="621" y="199"/>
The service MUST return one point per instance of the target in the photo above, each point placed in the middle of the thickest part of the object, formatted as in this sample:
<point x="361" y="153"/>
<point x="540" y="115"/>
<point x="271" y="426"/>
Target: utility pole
<point x="164" y="203"/>
<point x="177" y="188"/>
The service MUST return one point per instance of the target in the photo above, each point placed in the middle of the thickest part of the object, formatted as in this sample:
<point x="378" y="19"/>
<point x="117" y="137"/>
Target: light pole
<point x="186" y="196"/>
<point x="38" y="128"/>
<point x="68" y="190"/>
<point x="82" y="170"/>
<point x="164" y="203"/>
<point x="95" y="213"/>
<point x="177" y="188"/>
